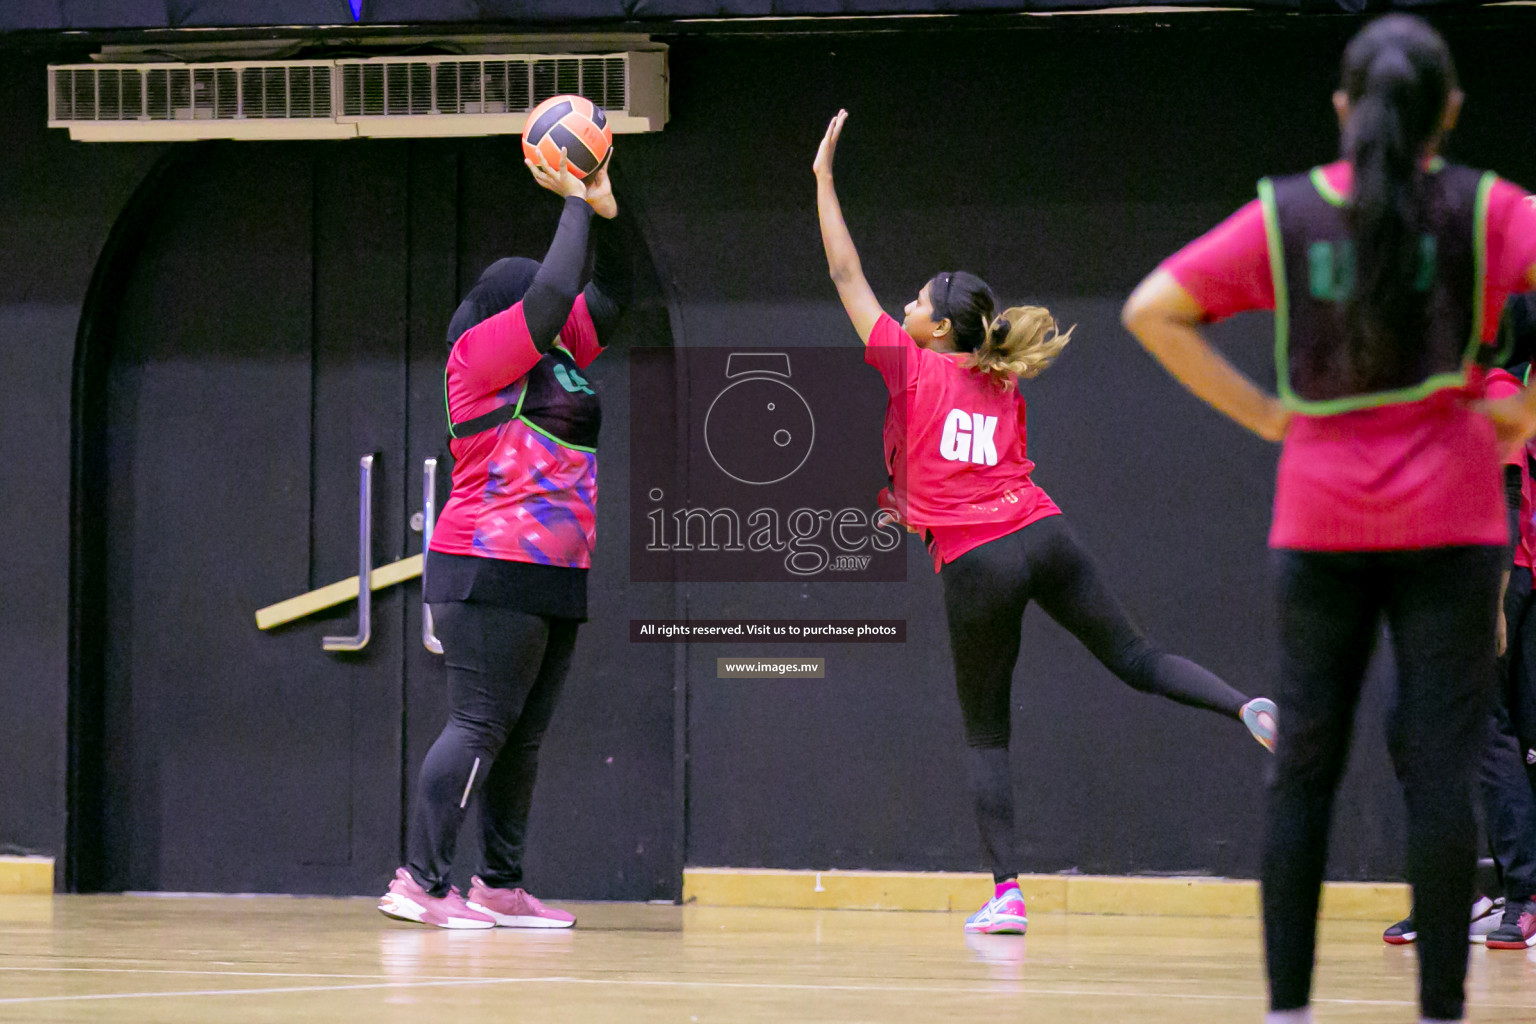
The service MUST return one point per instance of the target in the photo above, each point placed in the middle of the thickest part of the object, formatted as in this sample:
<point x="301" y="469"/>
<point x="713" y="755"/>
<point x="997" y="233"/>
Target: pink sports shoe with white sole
<point x="514" y="908"/>
<point x="1004" y="914"/>
<point x="408" y="901"/>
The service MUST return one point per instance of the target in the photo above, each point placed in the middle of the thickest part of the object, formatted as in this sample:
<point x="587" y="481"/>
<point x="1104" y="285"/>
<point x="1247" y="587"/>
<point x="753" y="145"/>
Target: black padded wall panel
<point x="1118" y="156"/>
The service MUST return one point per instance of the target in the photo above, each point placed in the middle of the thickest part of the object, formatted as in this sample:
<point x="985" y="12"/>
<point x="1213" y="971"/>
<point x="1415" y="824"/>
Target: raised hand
<point x="558" y="179"/>
<point x="600" y="190"/>
<point x="823" y="163"/>
<point x="842" y="258"/>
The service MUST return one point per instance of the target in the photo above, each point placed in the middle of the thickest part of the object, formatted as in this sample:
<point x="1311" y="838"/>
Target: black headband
<point x="941" y="306"/>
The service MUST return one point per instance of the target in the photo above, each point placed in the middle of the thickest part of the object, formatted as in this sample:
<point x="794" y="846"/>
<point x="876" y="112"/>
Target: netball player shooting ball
<point x="506" y="574"/>
<point x="954" y="442"/>
<point x="1386" y="271"/>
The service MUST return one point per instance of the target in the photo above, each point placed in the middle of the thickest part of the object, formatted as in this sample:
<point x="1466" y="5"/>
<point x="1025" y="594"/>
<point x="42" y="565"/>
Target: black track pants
<point x="505" y="671"/>
<point x="1439" y="605"/>
<point x="1509" y="762"/>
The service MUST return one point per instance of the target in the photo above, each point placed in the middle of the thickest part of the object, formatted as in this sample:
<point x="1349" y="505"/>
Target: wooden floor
<point x="128" y="959"/>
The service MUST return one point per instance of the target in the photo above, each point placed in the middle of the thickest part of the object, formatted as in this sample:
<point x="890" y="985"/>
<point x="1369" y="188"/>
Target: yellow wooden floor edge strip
<point x="336" y="593"/>
<point x="1073" y="894"/>
<point x="26" y="876"/>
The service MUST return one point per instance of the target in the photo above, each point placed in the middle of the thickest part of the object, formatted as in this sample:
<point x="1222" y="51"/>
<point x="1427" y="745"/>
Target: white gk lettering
<point x="968" y="438"/>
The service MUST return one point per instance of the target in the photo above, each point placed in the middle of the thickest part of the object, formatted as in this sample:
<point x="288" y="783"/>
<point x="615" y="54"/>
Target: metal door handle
<point x="429" y="639"/>
<point x="359" y="640"/>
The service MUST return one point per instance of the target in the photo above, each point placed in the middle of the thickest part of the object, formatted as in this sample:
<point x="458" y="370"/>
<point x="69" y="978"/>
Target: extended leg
<point x="1067" y="584"/>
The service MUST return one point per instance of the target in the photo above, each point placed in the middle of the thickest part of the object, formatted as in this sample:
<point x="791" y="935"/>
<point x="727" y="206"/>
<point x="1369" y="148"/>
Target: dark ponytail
<point x="967" y="303"/>
<point x="1020" y="342"/>
<point x="1398" y="76"/>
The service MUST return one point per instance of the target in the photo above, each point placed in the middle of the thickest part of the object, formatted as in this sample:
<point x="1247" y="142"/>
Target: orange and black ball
<point x="572" y="123"/>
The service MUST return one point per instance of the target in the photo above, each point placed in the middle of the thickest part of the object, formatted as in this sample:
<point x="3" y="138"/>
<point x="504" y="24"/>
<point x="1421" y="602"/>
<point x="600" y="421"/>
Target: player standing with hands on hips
<point x="954" y="445"/>
<point x="1386" y="271"/>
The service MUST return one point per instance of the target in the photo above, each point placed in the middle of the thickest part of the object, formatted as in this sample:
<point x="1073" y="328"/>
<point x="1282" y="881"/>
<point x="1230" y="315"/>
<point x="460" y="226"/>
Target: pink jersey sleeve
<point x="579" y="335"/>
<point x="892" y="351"/>
<point x="489" y="356"/>
<point x="1511" y="249"/>
<point x="1226" y="270"/>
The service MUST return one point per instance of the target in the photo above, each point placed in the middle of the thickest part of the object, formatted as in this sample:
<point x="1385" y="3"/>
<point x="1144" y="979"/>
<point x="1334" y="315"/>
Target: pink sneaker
<point x="514" y="908"/>
<point x="407" y="901"/>
<point x="1004" y="913"/>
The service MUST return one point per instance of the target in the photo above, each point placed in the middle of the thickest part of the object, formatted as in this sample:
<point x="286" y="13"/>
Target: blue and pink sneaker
<point x="1004" y="914"/>
<point x="1262" y="719"/>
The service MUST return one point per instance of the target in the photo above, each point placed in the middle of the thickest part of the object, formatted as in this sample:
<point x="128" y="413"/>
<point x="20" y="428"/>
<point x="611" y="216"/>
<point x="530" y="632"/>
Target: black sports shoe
<point x="1485" y="916"/>
<point x="1400" y="934"/>
<point x="1519" y="928"/>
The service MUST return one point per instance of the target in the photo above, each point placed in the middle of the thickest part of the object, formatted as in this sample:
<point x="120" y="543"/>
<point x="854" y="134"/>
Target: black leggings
<point x="1439" y="605"/>
<point x="985" y="593"/>
<point x="505" y="670"/>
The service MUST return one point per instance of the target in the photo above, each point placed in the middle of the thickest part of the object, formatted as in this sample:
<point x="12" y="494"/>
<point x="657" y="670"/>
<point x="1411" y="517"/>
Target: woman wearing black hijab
<point x="506" y="573"/>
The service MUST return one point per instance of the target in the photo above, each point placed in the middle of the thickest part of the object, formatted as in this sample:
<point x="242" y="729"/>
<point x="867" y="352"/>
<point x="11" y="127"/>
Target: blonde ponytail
<point x="1021" y="342"/>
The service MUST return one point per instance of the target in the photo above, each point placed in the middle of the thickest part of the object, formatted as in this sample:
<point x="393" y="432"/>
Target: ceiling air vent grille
<point x="413" y="88"/>
<point x="381" y="94"/>
<point x="182" y="92"/>
<point x="388" y="96"/>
